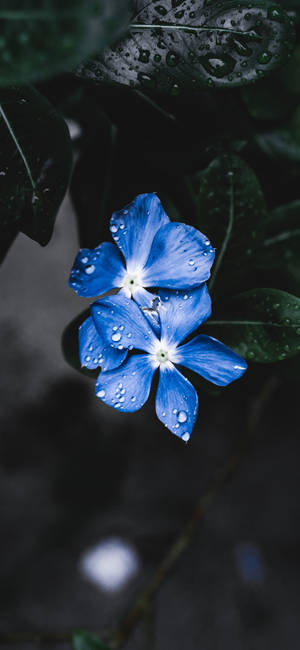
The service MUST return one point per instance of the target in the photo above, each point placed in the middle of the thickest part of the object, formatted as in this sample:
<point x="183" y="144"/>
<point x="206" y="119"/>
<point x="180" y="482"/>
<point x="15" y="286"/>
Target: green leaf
<point x="268" y="100"/>
<point x="282" y="144"/>
<point x="7" y="238"/>
<point x="41" y="38"/>
<point x="70" y="345"/>
<point x="261" y="325"/>
<point x="83" y="640"/>
<point x="230" y="207"/>
<point x="279" y="252"/>
<point x="175" y="46"/>
<point x="91" y="184"/>
<point x="277" y="96"/>
<point x="35" y="162"/>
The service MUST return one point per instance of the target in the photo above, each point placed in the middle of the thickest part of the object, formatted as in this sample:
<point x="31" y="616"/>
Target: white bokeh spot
<point x="110" y="564"/>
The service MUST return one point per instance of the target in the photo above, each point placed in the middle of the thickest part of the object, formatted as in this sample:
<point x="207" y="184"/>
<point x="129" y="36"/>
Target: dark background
<point x="73" y="473"/>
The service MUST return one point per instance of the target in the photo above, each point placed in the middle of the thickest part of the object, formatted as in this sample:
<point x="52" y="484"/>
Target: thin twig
<point x="144" y="600"/>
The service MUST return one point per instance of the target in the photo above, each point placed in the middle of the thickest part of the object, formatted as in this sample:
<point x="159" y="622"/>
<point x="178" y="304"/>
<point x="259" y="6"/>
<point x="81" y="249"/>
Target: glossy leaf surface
<point x="261" y="325"/>
<point x="230" y="207"/>
<point x="40" y="39"/>
<point x="174" y="46"/>
<point x="279" y="252"/>
<point x="35" y="162"/>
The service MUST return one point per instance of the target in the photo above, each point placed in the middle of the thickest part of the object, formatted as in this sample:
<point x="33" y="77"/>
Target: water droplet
<point x="276" y="13"/>
<point x="185" y="436"/>
<point x="144" y="57"/>
<point x="116" y="337"/>
<point x="161" y="10"/>
<point x="89" y="269"/>
<point x="264" y="57"/>
<point x="146" y="80"/>
<point x="181" y="416"/>
<point x="191" y="262"/>
<point x="113" y="228"/>
<point x="172" y="59"/>
<point x="101" y="393"/>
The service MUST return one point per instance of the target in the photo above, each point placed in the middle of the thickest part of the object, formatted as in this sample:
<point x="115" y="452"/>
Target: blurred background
<point x="91" y="499"/>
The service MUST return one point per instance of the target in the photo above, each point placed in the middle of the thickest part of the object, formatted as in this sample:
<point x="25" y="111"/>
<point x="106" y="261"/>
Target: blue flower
<point x="118" y="320"/>
<point x="150" y="251"/>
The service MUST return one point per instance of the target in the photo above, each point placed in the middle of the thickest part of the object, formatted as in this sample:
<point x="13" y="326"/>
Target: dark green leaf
<point x="279" y="252"/>
<point x="261" y="325"/>
<point x="282" y="144"/>
<point x="35" y="162"/>
<point x="7" y="237"/>
<point x="70" y="345"/>
<point x="83" y="640"/>
<point x="91" y="184"/>
<point x="268" y="100"/>
<point x="230" y="207"/>
<point x="174" y="46"/>
<point x="43" y="38"/>
<point x="276" y="97"/>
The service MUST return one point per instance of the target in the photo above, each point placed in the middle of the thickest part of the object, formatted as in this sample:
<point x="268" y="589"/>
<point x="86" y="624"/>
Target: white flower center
<point x="131" y="282"/>
<point x="163" y="354"/>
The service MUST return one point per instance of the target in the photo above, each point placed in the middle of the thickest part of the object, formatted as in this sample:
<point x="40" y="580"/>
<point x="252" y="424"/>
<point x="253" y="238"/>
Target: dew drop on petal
<point x="116" y="337"/>
<point x="181" y="416"/>
<point x="185" y="436"/>
<point x="101" y="393"/>
<point x="90" y="269"/>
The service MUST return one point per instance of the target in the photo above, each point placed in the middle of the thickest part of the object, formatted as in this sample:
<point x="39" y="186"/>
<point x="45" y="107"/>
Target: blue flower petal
<point x="127" y="388"/>
<point x="94" y="351"/>
<point x="133" y="228"/>
<point x="211" y="359"/>
<point x="122" y="324"/>
<point x="180" y="256"/>
<point x="97" y="270"/>
<point x="181" y="312"/>
<point x="176" y="402"/>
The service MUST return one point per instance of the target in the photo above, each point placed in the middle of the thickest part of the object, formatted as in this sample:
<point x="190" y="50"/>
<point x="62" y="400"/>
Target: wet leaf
<point x="261" y="325"/>
<point x="279" y="252"/>
<point x="43" y="38"/>
<point x="230" y="207"/>
<point x="174" y="46"/>
<point x="35" y="162"/>
<point x="282" y="144"/>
